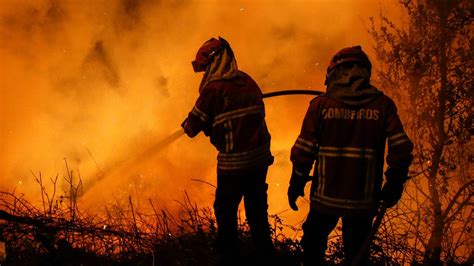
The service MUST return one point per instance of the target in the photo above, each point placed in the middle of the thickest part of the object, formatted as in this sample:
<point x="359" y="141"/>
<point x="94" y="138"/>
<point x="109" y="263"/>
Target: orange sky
<point x="97" y="82"/>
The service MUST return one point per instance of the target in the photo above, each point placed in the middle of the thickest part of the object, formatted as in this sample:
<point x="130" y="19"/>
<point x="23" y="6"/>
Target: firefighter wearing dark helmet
<point x="231" y="112"/>
<point x="344" y="134"/>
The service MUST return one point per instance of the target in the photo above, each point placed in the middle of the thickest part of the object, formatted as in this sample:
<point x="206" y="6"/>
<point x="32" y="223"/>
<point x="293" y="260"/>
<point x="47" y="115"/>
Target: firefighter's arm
<point x="399" y="145"/>
<point x="303" y="154"/>
<point x="201" y="116"/>
<point x="399" y="158"/>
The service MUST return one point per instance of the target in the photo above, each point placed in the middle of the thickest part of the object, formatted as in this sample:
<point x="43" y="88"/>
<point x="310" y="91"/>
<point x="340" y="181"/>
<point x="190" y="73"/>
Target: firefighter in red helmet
<point x="344" y="134"/>
<point x="231" y="112"/>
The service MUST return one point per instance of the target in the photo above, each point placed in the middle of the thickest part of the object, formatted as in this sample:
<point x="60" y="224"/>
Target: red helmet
<point x="208" y="50"/>
<point x="352" y="54"/>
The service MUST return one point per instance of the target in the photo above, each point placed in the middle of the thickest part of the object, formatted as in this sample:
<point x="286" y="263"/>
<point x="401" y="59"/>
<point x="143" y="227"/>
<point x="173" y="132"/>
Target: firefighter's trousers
<point x="317" y="228"/>
<point x="231" y="188"/>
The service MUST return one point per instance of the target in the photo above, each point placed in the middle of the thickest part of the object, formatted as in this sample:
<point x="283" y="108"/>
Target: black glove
<point x="183" y="125"/>
<point x="397" y="175"/>
<point x="293" y="194"/>
<point x="393" y="189"/>
<point x="207" y="129"/>
<point x="296" y="188"/>
<point x="392" y="193"/>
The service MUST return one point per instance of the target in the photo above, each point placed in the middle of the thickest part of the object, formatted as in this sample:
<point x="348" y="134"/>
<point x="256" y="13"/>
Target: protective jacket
<point x="346" y="140"/>
<point x="231" y="112"/>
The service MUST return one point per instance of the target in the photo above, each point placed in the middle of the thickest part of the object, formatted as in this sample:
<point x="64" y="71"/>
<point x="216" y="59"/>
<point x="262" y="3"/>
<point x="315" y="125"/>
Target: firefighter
<point x="344" y="134"/>
<point x="231" y="112"/>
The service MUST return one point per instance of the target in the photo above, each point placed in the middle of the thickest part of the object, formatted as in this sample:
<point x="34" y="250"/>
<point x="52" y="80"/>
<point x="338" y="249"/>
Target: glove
<point x="293" y="194"/>
<point x="296" y="188"/>
<point x="183" y="125"/>
<point x="206" y="129"/>
<point x="393" y="189"/>
<point x="397" y="174"/>
<point x="392" y="193"/>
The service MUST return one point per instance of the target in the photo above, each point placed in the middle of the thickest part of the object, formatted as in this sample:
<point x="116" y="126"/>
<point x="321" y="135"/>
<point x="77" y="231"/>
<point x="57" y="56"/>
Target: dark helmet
<point x="207" y="52"/>
<point x="352" y="54"/>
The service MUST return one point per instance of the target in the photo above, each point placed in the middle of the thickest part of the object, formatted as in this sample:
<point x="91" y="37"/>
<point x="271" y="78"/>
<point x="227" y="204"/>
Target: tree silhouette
<point x="426" y="64"/>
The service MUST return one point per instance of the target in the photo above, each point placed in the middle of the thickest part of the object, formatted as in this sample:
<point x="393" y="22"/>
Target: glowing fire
<point x="99" y="83"/>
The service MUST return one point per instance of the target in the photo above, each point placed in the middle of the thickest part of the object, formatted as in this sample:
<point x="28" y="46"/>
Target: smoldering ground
<point x="97" y="83"/>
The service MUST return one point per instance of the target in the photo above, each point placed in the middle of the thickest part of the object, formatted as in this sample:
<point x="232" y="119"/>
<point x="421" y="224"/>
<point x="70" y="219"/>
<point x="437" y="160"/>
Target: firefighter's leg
<point x="228" y="197"/>
<point x="316" y="230"/>
<point x="354" y="232"/>
<point x="255" y="200"/>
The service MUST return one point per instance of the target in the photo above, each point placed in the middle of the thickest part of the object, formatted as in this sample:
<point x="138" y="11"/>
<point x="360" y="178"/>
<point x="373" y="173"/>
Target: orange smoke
<point x="97" y="83"/>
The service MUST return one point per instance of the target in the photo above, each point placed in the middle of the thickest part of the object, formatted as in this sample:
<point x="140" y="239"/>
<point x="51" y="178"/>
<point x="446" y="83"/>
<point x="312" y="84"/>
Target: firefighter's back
<point x="239" y="129"/>
<point x="351" y="143"/>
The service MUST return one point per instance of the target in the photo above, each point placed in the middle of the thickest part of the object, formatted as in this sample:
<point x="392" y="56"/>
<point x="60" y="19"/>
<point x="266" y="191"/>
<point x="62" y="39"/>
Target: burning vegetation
<point x="59" y="233"/>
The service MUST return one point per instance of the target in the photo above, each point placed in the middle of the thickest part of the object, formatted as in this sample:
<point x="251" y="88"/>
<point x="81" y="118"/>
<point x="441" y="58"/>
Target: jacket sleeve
<point x="201" y="116"/>
<point x="304" y="150"/>
<point x="399" y="145"/>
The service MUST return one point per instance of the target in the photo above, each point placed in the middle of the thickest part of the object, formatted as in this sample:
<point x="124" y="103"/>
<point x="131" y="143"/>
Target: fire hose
<point x="291" y="92"/>
<point x="174" y="136"/>
<point x="179" y="132"/>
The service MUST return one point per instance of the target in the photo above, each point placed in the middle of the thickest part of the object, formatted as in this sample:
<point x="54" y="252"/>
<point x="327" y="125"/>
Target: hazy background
<point x="97" y="82"/>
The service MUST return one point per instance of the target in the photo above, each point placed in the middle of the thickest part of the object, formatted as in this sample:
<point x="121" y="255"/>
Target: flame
<point x="98" y="83"/>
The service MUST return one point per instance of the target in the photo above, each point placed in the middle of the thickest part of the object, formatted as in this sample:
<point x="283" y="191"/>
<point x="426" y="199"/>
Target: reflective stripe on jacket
<point x="347" y="144"/>
<point x="231" y="112"/>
